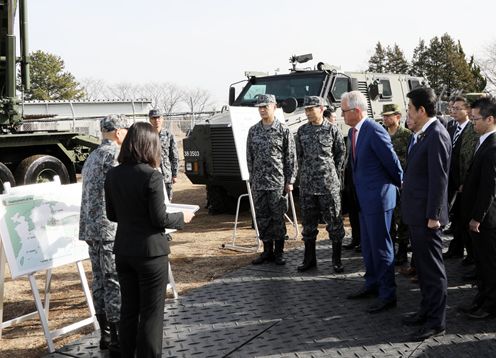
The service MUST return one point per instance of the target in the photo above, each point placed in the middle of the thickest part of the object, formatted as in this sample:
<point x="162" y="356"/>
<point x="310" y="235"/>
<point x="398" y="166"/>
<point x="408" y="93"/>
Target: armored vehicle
<point x="209" y="150"/>
<point x="30" y="156"/>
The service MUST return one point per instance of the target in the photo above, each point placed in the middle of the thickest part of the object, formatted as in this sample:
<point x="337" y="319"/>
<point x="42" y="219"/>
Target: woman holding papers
<point x="135" y="200"/>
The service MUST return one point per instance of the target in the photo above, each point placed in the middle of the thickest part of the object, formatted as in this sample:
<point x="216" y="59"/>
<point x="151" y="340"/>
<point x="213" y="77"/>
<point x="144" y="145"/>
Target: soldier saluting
<point x="321" y="154"/>
<point x="271" y="159"/>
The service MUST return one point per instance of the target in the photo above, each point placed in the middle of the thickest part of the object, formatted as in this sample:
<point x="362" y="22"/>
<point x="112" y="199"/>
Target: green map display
<point x="39" y="227"/>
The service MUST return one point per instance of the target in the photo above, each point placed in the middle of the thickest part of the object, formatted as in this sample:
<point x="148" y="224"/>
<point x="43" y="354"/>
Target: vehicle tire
<point x="6" y="176"/>
<point x="41" y="168"/>
<point x="220" y="202"/>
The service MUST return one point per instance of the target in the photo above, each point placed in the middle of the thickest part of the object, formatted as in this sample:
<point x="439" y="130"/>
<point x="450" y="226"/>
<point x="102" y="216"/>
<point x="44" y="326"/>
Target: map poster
<point x="39" y="227"/>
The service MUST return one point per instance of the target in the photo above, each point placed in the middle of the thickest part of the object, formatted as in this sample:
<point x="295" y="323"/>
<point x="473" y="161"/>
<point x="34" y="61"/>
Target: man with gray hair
<point x="321" y="153"/>
<point x="99" y="232"/>
<point x="271" y="160"/>
<point x="376" y="174"/>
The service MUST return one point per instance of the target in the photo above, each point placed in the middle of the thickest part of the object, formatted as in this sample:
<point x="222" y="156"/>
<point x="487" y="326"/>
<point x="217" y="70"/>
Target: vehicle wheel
<point x="41" y="168"/>
<point x="220" y="202"/>
<point x="6" y="176"/>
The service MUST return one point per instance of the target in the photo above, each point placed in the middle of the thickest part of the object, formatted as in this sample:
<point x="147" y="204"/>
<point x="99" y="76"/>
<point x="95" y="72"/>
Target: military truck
<point x="209" y="151"/>
<point x="29" y="156"/>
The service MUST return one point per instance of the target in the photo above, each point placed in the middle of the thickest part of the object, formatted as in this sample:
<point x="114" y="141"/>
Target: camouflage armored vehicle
<point x="28" y="156"/>
<point x="209" y="151"/>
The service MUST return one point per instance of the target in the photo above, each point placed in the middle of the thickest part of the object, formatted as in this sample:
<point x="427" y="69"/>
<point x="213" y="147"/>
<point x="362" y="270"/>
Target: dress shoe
<point x="413" y="319"/>
<point x="468" y="308"/>
<point x="381" y="305"/>
<point x="480" y="314"/>
<point x="425" y="333"/>
<point x="467" y="261"/>
<point x="362" y="293"/>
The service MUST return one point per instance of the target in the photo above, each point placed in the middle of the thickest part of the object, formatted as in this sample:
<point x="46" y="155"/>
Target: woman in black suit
<point x="135" y="200"/>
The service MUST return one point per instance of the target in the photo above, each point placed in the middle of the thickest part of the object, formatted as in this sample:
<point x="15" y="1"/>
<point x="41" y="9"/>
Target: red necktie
<point x="353" y="141"/>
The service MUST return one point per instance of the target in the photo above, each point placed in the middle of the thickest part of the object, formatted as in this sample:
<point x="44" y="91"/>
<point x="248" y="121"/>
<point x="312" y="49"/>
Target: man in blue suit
<point x="425" y="210"/>
<point x="377" y="175"/>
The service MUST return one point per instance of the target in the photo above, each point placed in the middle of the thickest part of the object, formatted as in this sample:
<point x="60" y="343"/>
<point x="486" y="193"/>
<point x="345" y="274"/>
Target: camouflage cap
<point x="312" y="101"/>
<point x="265" y="99"/>
<point x="391" y="108"/>
<point x="154" y="113"/>
<point x="114" y="121"/>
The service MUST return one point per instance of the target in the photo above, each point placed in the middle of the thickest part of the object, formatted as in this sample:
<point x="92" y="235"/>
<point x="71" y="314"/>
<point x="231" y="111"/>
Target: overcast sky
<point x="210" y="43"/>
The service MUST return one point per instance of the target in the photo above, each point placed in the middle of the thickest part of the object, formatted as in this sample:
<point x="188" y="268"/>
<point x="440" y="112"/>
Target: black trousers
<point x="485" y="264"/>
<point x="143" y="283"/>
<point x="427" y="248"/>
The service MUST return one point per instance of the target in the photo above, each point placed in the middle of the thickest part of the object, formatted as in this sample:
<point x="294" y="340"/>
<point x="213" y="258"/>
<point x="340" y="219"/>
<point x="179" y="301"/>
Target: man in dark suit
<point x="425" y="209"/>
<point x="479" y="208"/>
<point x="376" y="174"/>
<point x="464" y="140"/>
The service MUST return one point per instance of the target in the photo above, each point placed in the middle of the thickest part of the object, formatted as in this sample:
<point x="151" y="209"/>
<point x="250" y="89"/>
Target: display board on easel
<point x="39" y="226"/>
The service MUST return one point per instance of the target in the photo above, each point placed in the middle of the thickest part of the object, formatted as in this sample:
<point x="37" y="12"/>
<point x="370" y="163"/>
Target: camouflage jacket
<point x="93" y="222"/>
<point x="469" y="140"/>
<point x="321" y="155"/>
<point x="400" y="141"/>
<point x="169" y="163"/>
<point x="271" y="156"/>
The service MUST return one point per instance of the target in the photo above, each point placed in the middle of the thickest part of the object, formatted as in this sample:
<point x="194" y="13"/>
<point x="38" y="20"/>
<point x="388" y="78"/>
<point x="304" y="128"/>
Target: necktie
<point x="353" y="141"/>
<point x="457" y="133"/>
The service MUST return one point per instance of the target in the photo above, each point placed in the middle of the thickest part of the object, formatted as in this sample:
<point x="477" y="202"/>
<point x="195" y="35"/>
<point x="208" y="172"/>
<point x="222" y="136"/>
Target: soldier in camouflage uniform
<point x="169" y="164"/>
<point x="321" y="154"/>
<point x="99" y="232"/>
<point x="400" y="138"/>
<point x="271" y="159"/>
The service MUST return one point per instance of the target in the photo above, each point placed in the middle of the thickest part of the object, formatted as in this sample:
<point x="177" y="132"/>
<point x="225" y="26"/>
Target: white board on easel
<point x="39" y="226"/>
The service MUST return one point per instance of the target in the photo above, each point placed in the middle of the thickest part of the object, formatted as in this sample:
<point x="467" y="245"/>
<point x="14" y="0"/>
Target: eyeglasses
<point x="458" y="109"/>
<point x="477" y="118"/>
<point x="347" y="110"/>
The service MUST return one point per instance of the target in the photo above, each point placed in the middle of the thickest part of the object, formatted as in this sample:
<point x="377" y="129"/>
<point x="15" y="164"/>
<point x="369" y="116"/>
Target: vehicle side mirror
<point x="289" y="105"/>
<point x="232" y="95"/>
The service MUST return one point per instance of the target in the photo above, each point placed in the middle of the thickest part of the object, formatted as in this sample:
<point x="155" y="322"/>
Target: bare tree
<point x="124" y="91"/>
<point x="166" y="96"/>
<point x="488" y="67"/>
<point x="94" y="89"/>
<point x="197" y="100"/>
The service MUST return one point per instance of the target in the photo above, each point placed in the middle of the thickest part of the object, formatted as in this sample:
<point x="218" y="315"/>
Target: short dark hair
<point x="327" y="113"/>
<point x="486" y="106"/>
<point x="462" y="99"/>
<point x="141" y="145"/>
<point x="424" y="97"/>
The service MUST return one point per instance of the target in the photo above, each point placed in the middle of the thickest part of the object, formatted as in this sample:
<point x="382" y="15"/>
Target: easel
<point x="42" y="307"/>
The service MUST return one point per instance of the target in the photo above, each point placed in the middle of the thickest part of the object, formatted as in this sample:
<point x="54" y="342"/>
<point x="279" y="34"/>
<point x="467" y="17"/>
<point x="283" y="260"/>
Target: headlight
<point x="189" y="166"/>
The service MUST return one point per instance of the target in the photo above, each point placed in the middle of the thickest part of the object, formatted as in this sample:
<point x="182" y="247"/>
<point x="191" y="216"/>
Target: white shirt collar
<point x="359" y="125"/>
<point x="484" y="137"/>
<point x="463" y="125"/>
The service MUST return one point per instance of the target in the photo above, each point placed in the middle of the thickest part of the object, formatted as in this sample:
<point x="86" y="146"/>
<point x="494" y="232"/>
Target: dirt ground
<point x="197" y="258"/>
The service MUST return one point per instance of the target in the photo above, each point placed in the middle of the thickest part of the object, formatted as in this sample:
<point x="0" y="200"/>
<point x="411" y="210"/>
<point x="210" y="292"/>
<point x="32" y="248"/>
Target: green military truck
<point x="209" y="150"/>
<point x="30" y="156"/>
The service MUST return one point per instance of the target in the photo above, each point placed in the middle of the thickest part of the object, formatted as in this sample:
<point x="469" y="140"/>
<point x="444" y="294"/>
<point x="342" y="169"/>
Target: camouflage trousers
<point x="270" y="207"/>
<point x="168" y="189"/>
<point x="399" y="230"/>
<point x="105" y="288"/>
<point x="327" y="207"/>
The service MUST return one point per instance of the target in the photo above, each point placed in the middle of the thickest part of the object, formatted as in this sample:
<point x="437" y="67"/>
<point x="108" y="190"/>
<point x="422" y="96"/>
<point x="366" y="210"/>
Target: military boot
<point x="267" y="255"/>
<point x="279" y="252"/>
<point x="104" y="330"/>
<point x="114" y="346"/>
<point x="310" y="258"/>
<point x="401" y="257"/>
<point x="336" y="256"/>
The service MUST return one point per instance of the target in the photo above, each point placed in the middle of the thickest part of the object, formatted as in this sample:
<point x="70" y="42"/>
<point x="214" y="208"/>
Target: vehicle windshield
<point x="297" y="85"/>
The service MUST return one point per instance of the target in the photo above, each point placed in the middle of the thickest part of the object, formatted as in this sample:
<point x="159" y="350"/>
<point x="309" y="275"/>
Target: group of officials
<point x="123" y="220"/>
<point x="404" y="184"/>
